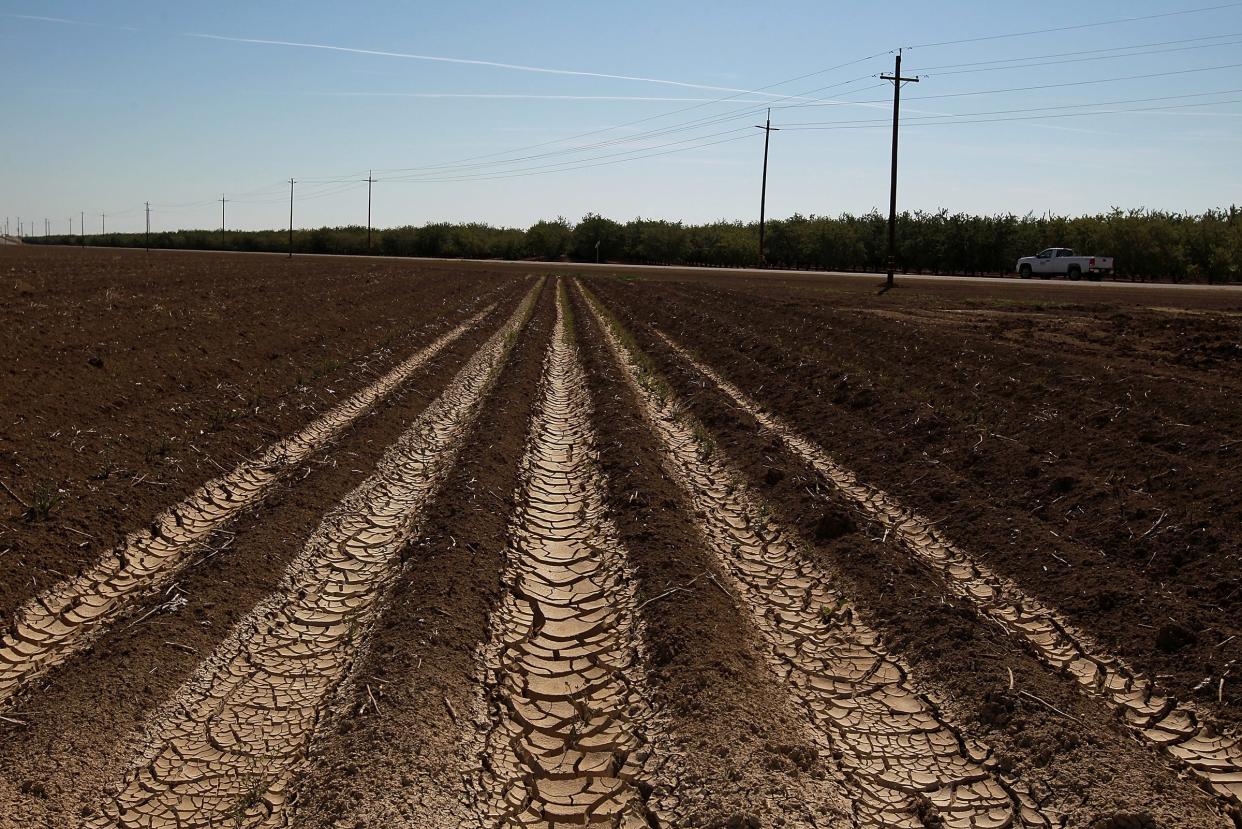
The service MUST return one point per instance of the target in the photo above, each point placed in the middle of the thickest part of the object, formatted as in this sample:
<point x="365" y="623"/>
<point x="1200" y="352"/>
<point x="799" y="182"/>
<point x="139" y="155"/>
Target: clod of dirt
<point x="1172" y="637"/>
<point x="833" y="524"/>
<point x="737" y="822"/>
<point x="1063" y="484"/>
<point x="1126" y="820"/>
<point x="23" y="287"/>
<point x="95" y="360"/>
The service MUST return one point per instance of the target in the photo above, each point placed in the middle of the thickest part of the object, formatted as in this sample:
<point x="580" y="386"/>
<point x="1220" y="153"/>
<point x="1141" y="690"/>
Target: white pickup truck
<point x="1063" y="262"/>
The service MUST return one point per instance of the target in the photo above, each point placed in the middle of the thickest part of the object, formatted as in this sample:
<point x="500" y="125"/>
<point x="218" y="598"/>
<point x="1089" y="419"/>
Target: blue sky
<point x="130" y="102"/>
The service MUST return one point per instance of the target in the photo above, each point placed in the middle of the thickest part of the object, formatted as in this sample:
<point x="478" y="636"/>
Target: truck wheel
<point x="1075" y="273"/>
<point x="1025" y="271"/>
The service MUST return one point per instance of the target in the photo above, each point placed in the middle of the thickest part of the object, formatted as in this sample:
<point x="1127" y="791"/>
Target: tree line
<point x="1147" y="244"/>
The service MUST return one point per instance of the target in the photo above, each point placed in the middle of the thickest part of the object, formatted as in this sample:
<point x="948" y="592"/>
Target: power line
<point x="673" y="129"/>
<point x="1027" y="110"/>
<point x="964" y="120"/>
<point x="1079" y="52"/>
<point x="646" y="119"/>
<point x="1087" y="59"/>
<point x="1062" y="85"/>
<point x="1076" y="27"/>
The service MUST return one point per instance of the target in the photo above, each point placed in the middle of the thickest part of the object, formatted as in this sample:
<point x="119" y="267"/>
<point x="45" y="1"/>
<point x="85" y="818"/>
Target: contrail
<point x="515" y="96"/>
<point x="496" y="64"/>
<point x="68" y="21"/>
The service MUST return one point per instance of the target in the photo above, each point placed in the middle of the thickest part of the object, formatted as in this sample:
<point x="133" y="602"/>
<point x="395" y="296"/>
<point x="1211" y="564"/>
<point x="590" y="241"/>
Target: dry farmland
<point x="334" y="542"/>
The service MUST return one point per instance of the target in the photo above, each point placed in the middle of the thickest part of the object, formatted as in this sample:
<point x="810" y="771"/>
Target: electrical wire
<point x="1086" y="59"/>
<point x="964" y="119"/>
<point x="1076" y="26"/>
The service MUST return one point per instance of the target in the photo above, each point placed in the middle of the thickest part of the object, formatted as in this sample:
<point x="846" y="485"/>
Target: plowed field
<point x="363" y="543"/>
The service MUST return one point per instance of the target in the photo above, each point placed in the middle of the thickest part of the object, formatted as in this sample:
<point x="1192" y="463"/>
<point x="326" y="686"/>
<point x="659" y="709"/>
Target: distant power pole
<point x="71" y="228"/>
<point x="763" y="194"/>
<point x="148" y="226"/>
<point x="223" y="201"/>
<point x="82" y="227"/>
<point x="369" y="180"/>
<point x="103" y="224"/>
<point x="897" y="80"/>
<point x="290" y="218"/>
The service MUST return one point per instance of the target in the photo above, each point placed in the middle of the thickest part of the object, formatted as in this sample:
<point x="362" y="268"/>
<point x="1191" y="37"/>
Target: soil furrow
<point x="1176" y="727"/>
<point x="64" y="619"/>
<point x="907" y="765"/>
<point x="570" y="740"/>
<point x="396" y="756"/>
<point x="79" y="733"/>
<point x="228" y="746"/>
<point x="1131" y="550"/>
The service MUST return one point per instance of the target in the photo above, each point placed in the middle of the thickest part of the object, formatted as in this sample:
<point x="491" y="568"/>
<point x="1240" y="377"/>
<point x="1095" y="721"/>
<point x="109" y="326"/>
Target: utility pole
<point x="82" y="227"/>
<point x="597" y="251"/>
<point x="897" y="80"/>
<point x="103" y="224"/>
<point x="290" y="218"/>
<point x="763" y="195"/>
<point x="71" y="228"/>
<point x="369" y="180"/>
<point x="148" y="227"/>
<point x="223" y="201"/>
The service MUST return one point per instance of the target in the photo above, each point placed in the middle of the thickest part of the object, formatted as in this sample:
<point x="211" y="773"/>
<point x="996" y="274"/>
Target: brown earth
<point x="1100" y="475"/>
<point x="129" y="380"/>
<point x="1081" y="442"/>
<point x="1057" y="740"/>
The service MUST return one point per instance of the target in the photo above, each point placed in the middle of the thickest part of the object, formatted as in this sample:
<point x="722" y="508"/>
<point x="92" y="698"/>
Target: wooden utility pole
<point x="223" y="201"/>
<point x="897" y="80"/>
<point x="290" y="218"/>
<point x="82" y="227"/>
<point x="763" y="193"/>
<point x="103" y="224"/>
<point x="369" y="180"/>
<point x="148" y="226"/>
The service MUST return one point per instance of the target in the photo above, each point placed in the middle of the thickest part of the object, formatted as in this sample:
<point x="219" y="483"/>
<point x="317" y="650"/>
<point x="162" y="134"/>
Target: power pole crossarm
<point x="897" y="80"/>
<point x="768" y="129"/>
